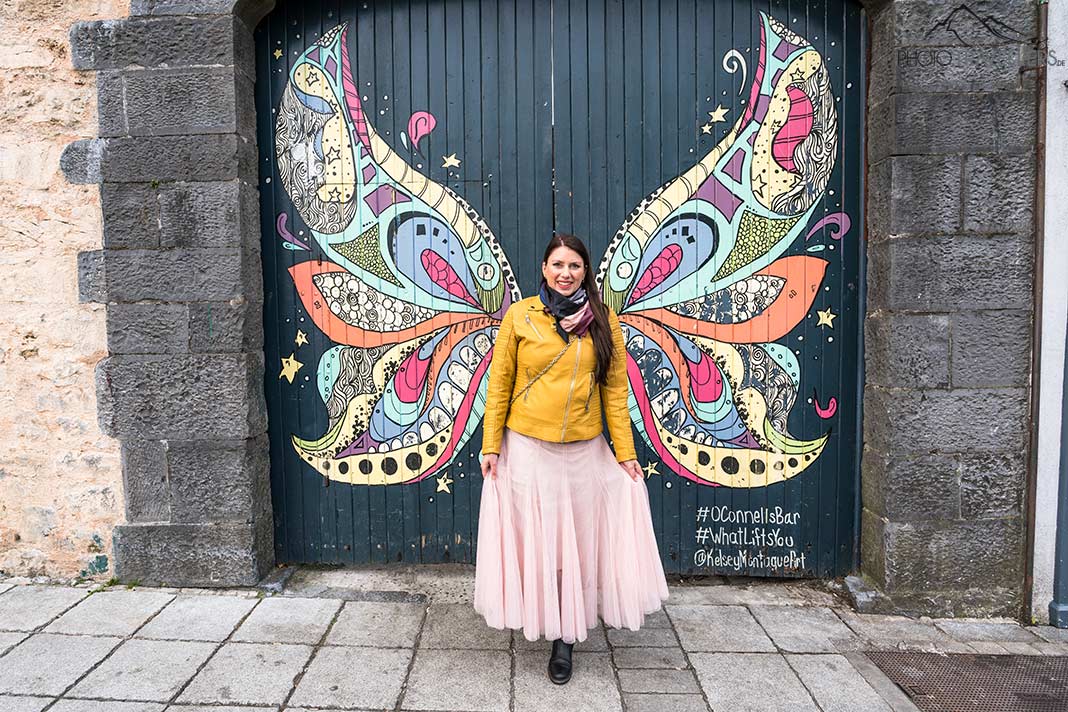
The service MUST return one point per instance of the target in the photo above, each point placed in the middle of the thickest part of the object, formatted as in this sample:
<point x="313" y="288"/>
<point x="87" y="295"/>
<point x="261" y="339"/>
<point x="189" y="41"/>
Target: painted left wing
<point x="412" y="287"/>
<point x="703" y="291"/>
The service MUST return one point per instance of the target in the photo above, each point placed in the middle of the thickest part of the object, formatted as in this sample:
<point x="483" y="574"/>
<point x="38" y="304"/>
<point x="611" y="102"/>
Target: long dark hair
<point x="600" y="331"/>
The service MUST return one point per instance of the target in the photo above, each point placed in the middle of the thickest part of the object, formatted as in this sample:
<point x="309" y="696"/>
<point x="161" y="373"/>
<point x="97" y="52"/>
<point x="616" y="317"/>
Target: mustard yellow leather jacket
<point x="565" y="404"/>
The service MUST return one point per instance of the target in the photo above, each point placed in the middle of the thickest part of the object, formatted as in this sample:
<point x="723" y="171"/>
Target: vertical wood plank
<point x="563" y="128"/>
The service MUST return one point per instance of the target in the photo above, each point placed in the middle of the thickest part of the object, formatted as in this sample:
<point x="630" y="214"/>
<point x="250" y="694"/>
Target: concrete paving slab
<point x="836" y="685"/>
<point x="660" y="681"/>
<point x="644" y="658"/>
<point x="353" y="677"/>
<point x="719" y="629"/>
<point x="23" y="704"/>
<point x="49" y="664"/>
<point x="475" y="680"/>
<point x="592" y="687"/>
<point x="643" y="638"/>
<point x="145" y="670"/>
<point x="380" y="625"/>
<point x="750" y="682"/>
<point x="940" y="647"/>
<point x="1050" y="648"/>
<point x="199" y="708"/>
<point x="1049" y="633"/>
<point x="813" y="593"/>
<point x="892" y="629"/>
<point x="110" y="706"/>
<point x="1015" y="647"/>
<point x="248" y="674"/>
<point x="802" y="630"/>
<point x="210" y="618"/>
<point x="10" y="640"/>
<point x="441" y="583"/>
<point x="288" y="620"/>
<point x="656" y="619"/>
<point x="110" y="613"/>
<point x="596" y="642"/>
<point x="637" y="702"/>
<point x="249" y="593"/>
<point x="458" y="626"/>
<point x="760" y="594"/>
<point x="5" y="587"/>
<point x="968" y="630"/>
<point x="987" y="647"/>
<point x="27" y="608"/>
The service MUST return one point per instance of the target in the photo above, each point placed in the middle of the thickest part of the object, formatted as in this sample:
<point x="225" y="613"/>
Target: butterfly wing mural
<point x="698" y="277"/>
<point x="411" y="290"/>
<point x="414" y="282"/>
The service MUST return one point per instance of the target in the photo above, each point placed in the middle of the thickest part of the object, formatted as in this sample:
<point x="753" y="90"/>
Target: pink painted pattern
<point x="659" y="269"/>
<point x="411" y="378"/>
<point x="419" y="125"/>
<point x="634" y="372"/>
<point x="445" y="276"/>
<point x="796" y="129"/>
<point x="352" y="96"/>
<point x="706" y="380"/>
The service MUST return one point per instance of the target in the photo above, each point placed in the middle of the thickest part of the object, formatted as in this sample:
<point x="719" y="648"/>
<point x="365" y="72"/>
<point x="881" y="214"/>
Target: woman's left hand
<point x="633" y="469"/>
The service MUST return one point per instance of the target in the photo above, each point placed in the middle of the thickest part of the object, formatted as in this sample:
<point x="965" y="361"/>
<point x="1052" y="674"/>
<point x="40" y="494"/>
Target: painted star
<point x="450" y="161"/>
<point x="333" y="154"/>
<point x="761" y="185"/>
<point x="707" y="128"/>
<point x="301" y="339"/>
<point x="826" y="317"/>
<point x="650" y="470"/>
<point x="720" y="114"/>
<point x="334" y="194"/>
<point x="290" y="366"/>
<point x="278" y="54"/>
<point x="798" y="75"/>
<point x="443" y="484"/>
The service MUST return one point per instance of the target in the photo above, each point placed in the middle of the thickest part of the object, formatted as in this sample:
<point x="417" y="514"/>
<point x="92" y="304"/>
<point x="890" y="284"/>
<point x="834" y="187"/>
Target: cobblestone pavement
<point x="408" y="639"/>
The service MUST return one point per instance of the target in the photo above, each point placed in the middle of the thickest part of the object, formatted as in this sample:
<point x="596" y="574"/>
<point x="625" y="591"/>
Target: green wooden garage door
<point x="416" y="157"/>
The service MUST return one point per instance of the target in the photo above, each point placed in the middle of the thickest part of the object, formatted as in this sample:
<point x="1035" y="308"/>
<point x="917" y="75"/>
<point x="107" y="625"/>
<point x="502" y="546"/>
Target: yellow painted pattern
<point x="338" y="164"/>
<point x="770" y="180"/>
<point x="779" y="458"/>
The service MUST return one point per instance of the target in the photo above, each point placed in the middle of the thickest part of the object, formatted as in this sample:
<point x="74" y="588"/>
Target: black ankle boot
<point x="560" y="662"/>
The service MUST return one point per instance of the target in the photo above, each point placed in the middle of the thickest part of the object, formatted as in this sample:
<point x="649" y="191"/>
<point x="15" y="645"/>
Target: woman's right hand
<point x="489" y="466"/>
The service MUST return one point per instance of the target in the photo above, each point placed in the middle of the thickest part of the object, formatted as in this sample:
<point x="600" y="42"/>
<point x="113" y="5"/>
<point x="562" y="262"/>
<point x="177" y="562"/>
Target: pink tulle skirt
<point x="565" y="536"/>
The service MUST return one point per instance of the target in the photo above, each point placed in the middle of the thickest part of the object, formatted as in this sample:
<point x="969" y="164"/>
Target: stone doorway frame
<point x="180" y="272"/>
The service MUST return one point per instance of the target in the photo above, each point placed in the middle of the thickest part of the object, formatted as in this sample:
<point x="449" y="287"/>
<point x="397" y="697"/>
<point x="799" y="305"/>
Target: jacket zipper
<point x="531" y="324"/>
<point x="589" y="394"/>
<point x="574" y="372"/>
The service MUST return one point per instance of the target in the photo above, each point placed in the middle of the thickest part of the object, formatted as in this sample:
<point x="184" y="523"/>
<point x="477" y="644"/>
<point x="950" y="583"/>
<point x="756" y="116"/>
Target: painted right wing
<point x="703" y="291"/>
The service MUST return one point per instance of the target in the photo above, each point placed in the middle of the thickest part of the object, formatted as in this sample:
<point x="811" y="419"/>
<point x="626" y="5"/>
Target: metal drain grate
<point x="978" y="683"/>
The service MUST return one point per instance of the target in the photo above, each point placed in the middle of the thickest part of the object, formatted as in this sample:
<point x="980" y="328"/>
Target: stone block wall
<point x="60" y="478"/>
<point x="951" y="255"/>
<point x="179" y="270"/>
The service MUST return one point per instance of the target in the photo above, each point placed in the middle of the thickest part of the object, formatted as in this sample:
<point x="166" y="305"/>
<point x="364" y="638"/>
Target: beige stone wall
<point x="60" y="481"/>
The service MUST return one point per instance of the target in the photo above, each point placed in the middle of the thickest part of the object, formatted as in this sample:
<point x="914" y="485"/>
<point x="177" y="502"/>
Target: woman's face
<point x="564" y="270"/>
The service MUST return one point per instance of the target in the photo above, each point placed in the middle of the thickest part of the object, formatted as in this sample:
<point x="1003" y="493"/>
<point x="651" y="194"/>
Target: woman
<point x="564" y="530"/>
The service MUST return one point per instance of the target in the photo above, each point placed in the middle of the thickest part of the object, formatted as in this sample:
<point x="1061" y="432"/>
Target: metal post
<point x="1058" y="607"/>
